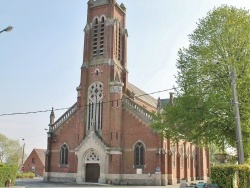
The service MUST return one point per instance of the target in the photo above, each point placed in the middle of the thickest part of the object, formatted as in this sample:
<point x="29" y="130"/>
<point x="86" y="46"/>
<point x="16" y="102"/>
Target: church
<point x="105" y="137"/>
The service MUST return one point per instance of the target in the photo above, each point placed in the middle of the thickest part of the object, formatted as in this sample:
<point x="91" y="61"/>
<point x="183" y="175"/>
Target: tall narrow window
<point x="119" y="43"/>
<point x="98" y="36"/>
<point x="101" y="46"/>
<point x="194" y="158"/>
<point x="181" y="156"/>
<point x="95" y="106"/>
<point x="95" y="37"/>
<point x="139" y="153"/>
<point x="64" y="155"/>
<point x="116" y="39"/>
<point x="173" y="155"/>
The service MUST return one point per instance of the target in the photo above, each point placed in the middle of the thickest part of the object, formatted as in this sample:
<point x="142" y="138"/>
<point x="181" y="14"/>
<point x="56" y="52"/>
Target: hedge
<point x="25" y="175"/>
<point x="7" y="171"/>
<point x="231" y="176"/>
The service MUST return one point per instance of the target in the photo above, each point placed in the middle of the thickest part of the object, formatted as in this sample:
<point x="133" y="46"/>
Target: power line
<point x="58" y="109"/>
<point x="34" y="112"/>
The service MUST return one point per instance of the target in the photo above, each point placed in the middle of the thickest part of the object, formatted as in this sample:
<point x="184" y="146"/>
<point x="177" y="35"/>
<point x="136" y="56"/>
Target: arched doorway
<point x="92" y="162"/>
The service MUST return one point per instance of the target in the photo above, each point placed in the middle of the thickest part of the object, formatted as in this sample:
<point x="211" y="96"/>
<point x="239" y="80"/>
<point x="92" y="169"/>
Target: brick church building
<point x="105" y="136"/>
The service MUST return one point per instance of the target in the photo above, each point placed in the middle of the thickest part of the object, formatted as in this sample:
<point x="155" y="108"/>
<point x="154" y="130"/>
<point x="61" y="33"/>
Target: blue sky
<point x="40" y="58"/>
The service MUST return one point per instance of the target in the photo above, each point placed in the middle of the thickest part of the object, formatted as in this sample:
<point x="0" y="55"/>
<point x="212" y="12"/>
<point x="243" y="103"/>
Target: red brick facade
<point x="35" y="162"/>
<point x="109" y="125"/>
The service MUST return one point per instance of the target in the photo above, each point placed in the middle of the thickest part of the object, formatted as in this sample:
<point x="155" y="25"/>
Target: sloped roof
<point x="142" y="95"/>
<point x="41" y="154"/>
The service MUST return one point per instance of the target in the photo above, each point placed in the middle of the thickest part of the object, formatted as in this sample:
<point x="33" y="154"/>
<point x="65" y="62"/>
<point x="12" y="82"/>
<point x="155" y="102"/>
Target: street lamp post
<point x="7" y="29"/>
<point x="240" y="153"/>
<point x="22" y="168"/>
<point x="237" y="118"/>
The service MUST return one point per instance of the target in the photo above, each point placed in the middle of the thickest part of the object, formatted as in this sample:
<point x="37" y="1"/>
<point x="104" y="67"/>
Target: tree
<point x="202" y="111"/>
<point x="10" y="150"/>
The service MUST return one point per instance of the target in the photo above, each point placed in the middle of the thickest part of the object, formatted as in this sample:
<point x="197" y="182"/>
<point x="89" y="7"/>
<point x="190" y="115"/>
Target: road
<point x="38" y="182"/>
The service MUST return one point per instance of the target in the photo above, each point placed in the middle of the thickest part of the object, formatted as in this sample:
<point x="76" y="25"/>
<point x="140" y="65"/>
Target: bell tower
<point x="104" y="70"/>
<point x="105" y="34"/>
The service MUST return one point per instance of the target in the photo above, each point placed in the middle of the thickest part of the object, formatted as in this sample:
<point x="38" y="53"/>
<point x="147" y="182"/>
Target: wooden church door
<point x="92" y="172"/>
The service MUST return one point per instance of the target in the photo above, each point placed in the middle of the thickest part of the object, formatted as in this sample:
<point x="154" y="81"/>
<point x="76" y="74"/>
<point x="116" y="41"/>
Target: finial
<point x="159" y="105"/>
<point x="52" y="116"/>
<point x="123" y="7"/>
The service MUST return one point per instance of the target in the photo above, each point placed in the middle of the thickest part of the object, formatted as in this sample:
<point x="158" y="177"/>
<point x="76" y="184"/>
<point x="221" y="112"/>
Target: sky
<point x="40" y="58"/>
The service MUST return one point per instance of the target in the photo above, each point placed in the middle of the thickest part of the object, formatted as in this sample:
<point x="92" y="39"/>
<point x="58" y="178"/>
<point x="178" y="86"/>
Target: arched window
<point x="103" y="19"/>
<point x="64" y="155"/>
<point x="139" y="152"/>
<point x="188" y="153"/>
<point x="98" y="36"/>
<point x="102" y="37"/>
<point x="95" y="105"/>
<point x="118" y="41"/>
<point x="95" y="37"/>
<point x="173" y="154"/>
<point x="181" y="157"/>
<point x="194" y="157"/>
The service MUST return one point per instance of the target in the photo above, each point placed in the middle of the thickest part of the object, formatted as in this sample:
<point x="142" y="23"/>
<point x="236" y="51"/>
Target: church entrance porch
<point x="92" y="172"/>
<point x="92" y="160"/>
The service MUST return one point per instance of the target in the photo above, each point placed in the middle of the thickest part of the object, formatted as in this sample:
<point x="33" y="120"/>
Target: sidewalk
<point x="188" y="183"/>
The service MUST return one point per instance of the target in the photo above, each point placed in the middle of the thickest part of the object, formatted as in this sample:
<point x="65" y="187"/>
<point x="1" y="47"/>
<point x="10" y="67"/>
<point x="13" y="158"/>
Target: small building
<point x="35" y="162"/>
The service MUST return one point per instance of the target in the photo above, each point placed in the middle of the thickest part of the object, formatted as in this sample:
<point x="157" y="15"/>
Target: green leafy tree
<point x="10" y="151"/>
<point x="202" y="111"/>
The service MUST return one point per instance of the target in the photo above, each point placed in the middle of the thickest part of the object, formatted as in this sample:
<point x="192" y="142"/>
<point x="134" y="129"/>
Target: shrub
<point x="25" y="175"/>
<point x="244" y="176"/>
<point x="7" y="171"/>
<point x="231" y="176"/>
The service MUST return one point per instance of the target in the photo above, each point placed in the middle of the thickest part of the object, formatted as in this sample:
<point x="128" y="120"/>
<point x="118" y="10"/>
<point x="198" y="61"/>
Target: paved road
<point x="38" y="182"/>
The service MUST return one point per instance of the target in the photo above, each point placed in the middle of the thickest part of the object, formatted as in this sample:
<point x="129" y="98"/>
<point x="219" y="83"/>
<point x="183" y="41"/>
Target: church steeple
<point x="105" y="39"/>
<point x="105" y="33"/>
<point x="104" y="69"/>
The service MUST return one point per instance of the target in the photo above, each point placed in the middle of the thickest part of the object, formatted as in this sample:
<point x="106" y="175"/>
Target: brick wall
<point x="134" y="130"/>
<point x="34" y="164"/>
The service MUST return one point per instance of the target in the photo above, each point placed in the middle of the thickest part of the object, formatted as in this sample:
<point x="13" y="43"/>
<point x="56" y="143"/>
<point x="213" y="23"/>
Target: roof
<point x="142" y="95"/>
<point x="41" y="154"/>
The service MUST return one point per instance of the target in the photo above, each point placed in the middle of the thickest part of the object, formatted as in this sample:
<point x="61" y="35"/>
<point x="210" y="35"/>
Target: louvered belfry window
<point x="118" y="41"/>
<point x="101" y="47"/>
<point x="98" y="37"/>
<point x="95" y="38"/>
